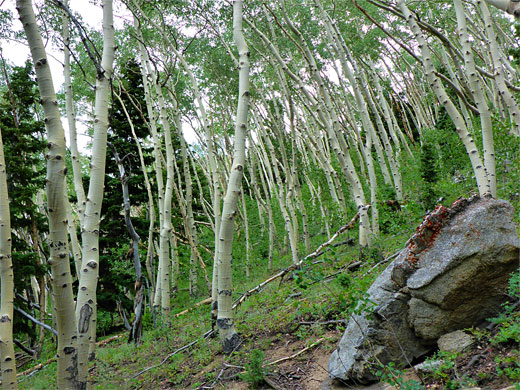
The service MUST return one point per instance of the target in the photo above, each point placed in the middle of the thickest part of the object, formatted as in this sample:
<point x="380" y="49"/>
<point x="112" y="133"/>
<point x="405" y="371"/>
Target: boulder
<point x="452" y="274"/>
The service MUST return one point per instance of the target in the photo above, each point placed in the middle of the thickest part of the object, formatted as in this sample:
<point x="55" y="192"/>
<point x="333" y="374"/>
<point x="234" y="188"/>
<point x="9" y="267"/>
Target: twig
<point x="297" y="353"/>
<point x="341" y="270"/>
<point x="323" y="322"/>
<point x="45" y="326"/>
<point x="37" y="367"/>
<point x="204" y="336"/>
<point x="41" y="365"/>
<point x="27" y="350"/>
<point x="232" y="366"/>
<point x="271" y="383"/>
<point x="385" y="260"/>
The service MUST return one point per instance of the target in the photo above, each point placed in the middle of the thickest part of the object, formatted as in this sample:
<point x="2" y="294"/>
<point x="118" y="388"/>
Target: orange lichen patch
<point x="425" y="236"/>
<point x="426" y="233"/>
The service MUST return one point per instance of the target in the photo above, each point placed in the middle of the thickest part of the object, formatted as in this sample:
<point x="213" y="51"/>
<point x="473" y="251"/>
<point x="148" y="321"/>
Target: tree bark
<point x="57" y="211"/>
<point x="228" y="335"/>
<point x="86" y="303"/>
<point x="8" y="362"/>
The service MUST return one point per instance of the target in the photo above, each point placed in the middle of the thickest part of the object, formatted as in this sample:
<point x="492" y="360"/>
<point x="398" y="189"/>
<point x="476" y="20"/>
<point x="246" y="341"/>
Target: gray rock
<point x="452" y="274"/>
<point x="457" y="341"/>
<point x="429" y="366"/>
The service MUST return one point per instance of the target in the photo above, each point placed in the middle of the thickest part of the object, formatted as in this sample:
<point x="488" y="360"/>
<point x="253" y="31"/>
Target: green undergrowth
<point x="321" y="291"/>
<point x="310" y="303"/>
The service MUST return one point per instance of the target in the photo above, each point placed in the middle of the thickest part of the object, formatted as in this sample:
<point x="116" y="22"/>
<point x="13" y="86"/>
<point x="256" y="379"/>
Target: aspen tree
<point x="148" y="78"/>
<point x="86" y="302"/>
<point x="7" y="357"/>
<point x="151" y="207"/>
<point x="76" y="168"/>
<point x="328" y="119"/>
<point x="228" y="335"/>
<point x="56" y="206"/>
<point x="71" y="119"/>
<point x="190" y="219"/>
<point x="163" y="276"/>
<point x="480" y="101"/>
<point x="162" y="290"/>
<point x="498" y="69"/>
<point x="270" y="217"/>
<point x="444" y="99"/>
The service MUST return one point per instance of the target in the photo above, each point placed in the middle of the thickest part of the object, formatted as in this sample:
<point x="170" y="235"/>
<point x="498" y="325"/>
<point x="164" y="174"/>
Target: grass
<point x="322" y="292"/>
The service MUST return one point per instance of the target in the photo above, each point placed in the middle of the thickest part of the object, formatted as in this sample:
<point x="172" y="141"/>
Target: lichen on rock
<point x="451" y="274"/>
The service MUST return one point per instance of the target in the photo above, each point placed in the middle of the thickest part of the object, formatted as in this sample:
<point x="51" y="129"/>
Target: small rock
<point x="457" y="341"/>
<point x="428" y="366"/>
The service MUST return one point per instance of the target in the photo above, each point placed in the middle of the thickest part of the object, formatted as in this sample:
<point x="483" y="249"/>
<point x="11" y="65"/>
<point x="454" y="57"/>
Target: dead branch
<point x="35" y="368"/>
<point x="271" y="383"/>
<point x="110" y="339"/>
<point x="317" y="342"/>
<point x="293" y="267"/>
<point x="183" y="239"/>
<point x="323" y="322"/>
<point x="30" y="317"/>
<point x="204" y="302"/>
<point x="39" y="366"/>
<point x="204" y="336"/>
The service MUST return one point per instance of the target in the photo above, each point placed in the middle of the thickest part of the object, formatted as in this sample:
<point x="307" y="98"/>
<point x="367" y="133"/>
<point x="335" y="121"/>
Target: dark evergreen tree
<point x="117" y="272"/>
<point x="24" y="148"/>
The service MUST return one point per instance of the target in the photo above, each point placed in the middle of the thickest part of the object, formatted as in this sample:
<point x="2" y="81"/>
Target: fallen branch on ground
<point x="322" y="322"/>
<point x="266" y="379"/>
<point x="35" y="368"/>
<point x="106" y="341"/>
<point x="317" y="342"/>
<point x="271" y="383"/>
<point x="295" y="266"/>
<point x="204" y="336"/>
<point x="204" y="302"/>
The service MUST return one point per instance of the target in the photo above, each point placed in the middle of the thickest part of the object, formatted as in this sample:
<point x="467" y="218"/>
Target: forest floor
<point x="288" y="331"/>
<point x="303" y="366"/>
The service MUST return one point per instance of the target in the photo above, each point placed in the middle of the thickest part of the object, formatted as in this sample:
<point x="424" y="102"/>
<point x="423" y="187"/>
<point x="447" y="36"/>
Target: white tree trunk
<point x="444" y="99"/>
<point x="57" y="211"/>
<point x="87" y="303"/>
<point x="480" y="101"/>
<point x="228" y="335"/>
<point x="8" y="362"/>
<point x="71" y="119"/>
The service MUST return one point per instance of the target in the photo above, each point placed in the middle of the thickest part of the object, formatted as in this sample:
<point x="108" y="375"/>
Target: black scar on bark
<point x="84" y="318"/>
<point x="231" y="344"/>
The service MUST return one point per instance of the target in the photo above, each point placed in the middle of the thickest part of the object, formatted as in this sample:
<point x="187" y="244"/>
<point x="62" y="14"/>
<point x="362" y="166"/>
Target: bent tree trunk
<point x="8" y="362"/>
<point x="57" y="210"/>
<point x="86" y="305"/>
<point x="137" y="325"/>
<point x="228" y="335"/>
